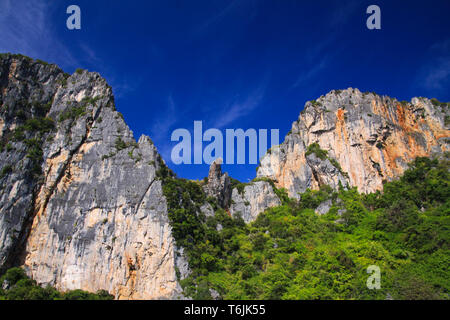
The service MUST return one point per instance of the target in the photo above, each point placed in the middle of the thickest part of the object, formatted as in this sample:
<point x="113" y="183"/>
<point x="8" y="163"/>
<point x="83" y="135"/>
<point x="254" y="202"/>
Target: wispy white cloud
<point x="239" y="107"/>
<point x="224" y="12"/>
<point x="438" y="75"/>
<point x="121" y="86"/>
<point x="434" y="76"/>
<point x="89" y="54"/>
<point x="309" y="74"/>
<point x="320" y="55"/>
<point x="442" y="47"/>
<point x="160" y="128"/>
<point x="26" y="29"/>
<point x="218" y="16"/>
<point x="343" y="12"/>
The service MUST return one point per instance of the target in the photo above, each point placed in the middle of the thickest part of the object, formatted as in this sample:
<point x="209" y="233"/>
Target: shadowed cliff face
<point x="368" y="138"/>
<point x="26" y="91"/>
<point x="80" y="205"/>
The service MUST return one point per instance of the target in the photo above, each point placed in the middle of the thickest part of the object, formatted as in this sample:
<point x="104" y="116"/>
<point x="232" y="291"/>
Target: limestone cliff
<point x="254" y="198"/>
<point x="246" y="201"/>
<point x="367" y="138"/>
<point x="219" y="184"/>
<point x="80" y="205"/>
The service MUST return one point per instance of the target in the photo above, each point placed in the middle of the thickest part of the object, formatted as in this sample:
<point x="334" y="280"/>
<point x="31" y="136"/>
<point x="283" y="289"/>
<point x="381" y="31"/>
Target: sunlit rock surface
<point x="371" y="137"/>
<point x="96" y="217"/>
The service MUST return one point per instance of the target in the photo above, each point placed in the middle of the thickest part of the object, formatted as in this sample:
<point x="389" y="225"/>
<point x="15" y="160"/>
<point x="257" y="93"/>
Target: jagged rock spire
<point x="219" y="184"/>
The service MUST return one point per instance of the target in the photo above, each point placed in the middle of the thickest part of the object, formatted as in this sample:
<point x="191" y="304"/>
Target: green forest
<point x="290" y="252"/>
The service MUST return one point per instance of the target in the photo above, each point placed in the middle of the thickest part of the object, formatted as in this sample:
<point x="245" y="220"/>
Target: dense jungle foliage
<point x="291" y="252"/>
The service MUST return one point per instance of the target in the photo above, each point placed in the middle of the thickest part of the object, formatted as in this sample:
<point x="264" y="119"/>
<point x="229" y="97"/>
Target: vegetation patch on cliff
<point x="315" y="148"/>
<point x="15" y="285"/>
<point x="323" y="155"/>
<point x="33" y="126"/>
<point x="290" y="252"/>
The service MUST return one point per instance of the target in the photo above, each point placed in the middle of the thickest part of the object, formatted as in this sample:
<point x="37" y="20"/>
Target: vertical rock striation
<point x="248" y="201"/>
<point x="94" y="217"/>
<point x="255" y="198"/>
<point x="26" y="91"/>
<point x="368" y="139"/>
<point x="219" y="184"/>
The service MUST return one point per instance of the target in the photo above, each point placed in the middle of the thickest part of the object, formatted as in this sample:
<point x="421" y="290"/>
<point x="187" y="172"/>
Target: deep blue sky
<point x="235" y="64"/>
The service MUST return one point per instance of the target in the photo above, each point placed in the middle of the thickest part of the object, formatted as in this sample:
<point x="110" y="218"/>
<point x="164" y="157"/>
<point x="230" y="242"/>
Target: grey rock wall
<point x="95" y="218"/>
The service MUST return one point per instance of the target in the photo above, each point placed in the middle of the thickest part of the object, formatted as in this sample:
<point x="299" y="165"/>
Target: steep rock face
<point x="26" y="88"/>
<point x="368" y="138"/>
<point x="255" y="198"/>
<point x="219" y="184"/>
<point x="324" y="172"/>
<point x="248" y="202"/>
<point x="95" y="217"/>
<point x="81" y="206"/>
